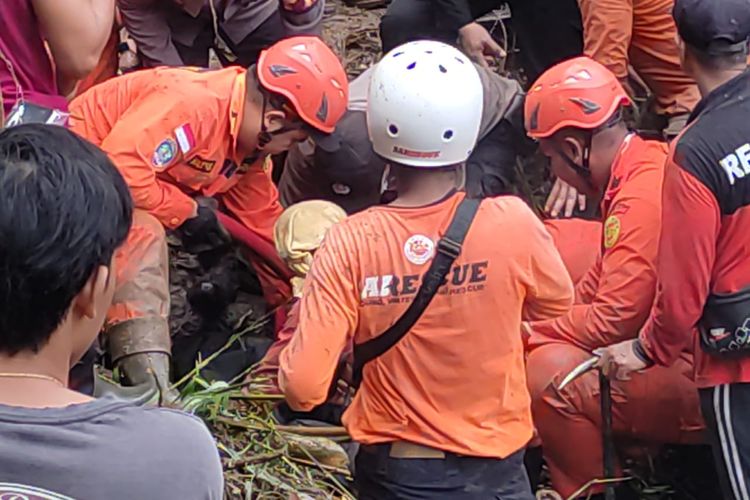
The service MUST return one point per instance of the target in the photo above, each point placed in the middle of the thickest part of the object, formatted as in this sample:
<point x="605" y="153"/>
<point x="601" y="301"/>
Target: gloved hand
<point x="204" y="232"/>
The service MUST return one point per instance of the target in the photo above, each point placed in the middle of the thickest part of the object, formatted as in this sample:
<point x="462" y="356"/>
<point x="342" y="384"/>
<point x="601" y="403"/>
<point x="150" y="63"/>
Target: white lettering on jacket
<point x="737" y="164"/>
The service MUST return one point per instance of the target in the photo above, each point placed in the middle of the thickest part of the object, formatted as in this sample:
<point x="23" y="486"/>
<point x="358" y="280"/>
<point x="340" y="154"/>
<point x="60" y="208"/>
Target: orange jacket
<point x="457" y="380"/>
<point x="614" y="298"/>
<point x="172" y="133"/>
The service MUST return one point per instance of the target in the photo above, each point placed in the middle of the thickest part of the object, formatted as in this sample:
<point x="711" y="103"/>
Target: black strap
<point x="448" y="249"/>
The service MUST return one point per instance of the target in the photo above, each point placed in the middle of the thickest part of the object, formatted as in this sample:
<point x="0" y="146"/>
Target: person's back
<point x="458" y="393"/>
<point x="56" y="282"/>
<point x="97" y="111"/>
<point x="107" y="448"/>
<point x="450" y="386"/>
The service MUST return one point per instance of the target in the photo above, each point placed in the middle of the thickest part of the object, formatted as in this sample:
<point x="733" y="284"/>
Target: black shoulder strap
<point x="448" y="249"/>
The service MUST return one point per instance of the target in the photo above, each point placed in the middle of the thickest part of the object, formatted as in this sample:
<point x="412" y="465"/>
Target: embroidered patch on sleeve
<point x="201" y="164"/>
<point x="165" y="153"/>
<point x="611" y="231"/>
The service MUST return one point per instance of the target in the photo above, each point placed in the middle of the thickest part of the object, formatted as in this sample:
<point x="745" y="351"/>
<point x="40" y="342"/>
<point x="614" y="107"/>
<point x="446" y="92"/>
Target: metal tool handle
<point x="608" y="444"/>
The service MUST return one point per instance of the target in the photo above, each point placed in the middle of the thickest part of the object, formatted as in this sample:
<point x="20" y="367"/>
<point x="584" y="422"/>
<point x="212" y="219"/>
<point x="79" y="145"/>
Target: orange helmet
<point x="305" y="71"/>
<point x="578" y="93"/>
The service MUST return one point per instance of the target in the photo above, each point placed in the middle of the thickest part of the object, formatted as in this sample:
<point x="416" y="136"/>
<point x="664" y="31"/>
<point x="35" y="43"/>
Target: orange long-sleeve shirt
<point x="614" y="298"/>
<point x="172" y="133"/>
<point x="456" y="381"/>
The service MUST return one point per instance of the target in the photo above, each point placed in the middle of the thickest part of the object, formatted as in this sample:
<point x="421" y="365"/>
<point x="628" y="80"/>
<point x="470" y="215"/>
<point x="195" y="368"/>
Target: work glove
<point x="204" y="232"/>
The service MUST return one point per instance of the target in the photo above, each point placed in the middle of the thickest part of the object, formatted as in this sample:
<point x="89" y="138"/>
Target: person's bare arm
<point x="76" y="31"/>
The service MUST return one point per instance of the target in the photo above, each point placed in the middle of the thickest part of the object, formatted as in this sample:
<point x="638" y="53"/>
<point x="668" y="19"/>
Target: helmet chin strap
<point x="582" y="170"/>
<point x="264" y="137"/>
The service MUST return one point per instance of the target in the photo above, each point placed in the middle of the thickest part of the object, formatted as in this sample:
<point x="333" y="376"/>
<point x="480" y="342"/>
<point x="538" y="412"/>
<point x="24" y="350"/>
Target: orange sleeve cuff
<point x="174" y="208"/>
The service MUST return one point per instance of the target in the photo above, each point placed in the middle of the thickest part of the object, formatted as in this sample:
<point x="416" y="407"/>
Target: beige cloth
<point x="300" y="231"/>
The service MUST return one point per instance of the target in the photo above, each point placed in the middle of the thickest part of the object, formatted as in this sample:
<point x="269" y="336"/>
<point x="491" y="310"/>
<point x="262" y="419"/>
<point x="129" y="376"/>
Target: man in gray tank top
<point x="64" y="209"/>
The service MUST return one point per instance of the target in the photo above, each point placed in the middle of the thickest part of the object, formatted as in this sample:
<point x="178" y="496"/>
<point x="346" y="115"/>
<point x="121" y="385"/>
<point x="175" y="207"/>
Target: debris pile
<point x="353" y="35"/>
<point x="263" y="460"/>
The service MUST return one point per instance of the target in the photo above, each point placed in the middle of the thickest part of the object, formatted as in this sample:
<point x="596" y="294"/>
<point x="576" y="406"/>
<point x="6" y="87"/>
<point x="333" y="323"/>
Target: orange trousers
<point x="657" y="406"/>
<point x="643" y="34"/>
<point x="142" y="264"/>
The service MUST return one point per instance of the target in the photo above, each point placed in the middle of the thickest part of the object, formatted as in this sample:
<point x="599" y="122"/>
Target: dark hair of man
<point x="408" y="177"/>
<point x="64" y="210"/>
<point x="717" y="61"/>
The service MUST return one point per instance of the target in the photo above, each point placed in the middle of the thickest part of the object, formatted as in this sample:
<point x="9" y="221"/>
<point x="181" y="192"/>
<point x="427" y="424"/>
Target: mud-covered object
<point x="214" y="295"/>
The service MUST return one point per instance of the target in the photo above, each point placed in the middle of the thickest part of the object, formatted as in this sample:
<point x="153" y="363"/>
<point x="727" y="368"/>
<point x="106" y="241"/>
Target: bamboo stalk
<point x="235" y="464"/>
<point x="330" y="468"/>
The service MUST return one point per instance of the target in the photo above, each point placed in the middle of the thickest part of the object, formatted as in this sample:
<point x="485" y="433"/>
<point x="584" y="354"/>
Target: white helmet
<point x="424" y="105"/>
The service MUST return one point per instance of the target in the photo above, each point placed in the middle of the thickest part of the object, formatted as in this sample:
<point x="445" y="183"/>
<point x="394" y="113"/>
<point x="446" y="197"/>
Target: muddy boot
<point x="140" y="349"/>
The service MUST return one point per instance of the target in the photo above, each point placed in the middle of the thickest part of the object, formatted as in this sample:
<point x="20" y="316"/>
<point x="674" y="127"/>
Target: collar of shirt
<point x="739" y="86"/>
<point x="620" y="170"/>
<point x="236" y="111"/>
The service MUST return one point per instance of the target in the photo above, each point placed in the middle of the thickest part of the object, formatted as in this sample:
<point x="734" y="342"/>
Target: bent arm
<point x="549" y="290"/>
<point x="76" y="31"/>
<point x="625" y="288"/>
<point x="328" y="317"/>
<point x="691" y="223"/>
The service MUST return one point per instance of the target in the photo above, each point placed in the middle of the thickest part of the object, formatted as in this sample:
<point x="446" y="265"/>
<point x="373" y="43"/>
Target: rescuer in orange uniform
<point x="430" y="423"/>
<point x="182" y="136"/>
<point x="575" y="110"/>
<point x="641" y="33"/>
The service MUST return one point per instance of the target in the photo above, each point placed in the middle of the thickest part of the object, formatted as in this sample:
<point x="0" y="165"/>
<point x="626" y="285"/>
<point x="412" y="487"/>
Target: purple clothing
<point x="22" y="45"/>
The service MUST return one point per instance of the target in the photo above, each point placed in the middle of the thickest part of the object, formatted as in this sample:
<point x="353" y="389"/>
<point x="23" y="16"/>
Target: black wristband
<point x="641" y="353"/>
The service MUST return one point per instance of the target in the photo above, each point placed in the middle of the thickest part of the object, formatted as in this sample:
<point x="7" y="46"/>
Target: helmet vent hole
<point x="460" y="60"/>
<point x="397" y="54"/>
<point x="442" y="68"/>
<point x="412" y="65"/>
<point x="428" y="52"/>
<point x="392" y="130"/>
<point x="448" y="135"/>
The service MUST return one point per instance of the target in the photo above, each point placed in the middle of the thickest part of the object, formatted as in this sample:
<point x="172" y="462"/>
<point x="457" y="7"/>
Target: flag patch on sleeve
<point x="185" y="138"/>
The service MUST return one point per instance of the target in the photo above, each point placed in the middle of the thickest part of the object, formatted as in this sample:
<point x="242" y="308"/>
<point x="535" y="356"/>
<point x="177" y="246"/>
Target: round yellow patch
<point x="611" y="231"/>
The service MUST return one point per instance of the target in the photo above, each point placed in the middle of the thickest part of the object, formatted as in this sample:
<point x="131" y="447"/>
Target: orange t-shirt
<point x="456" y="381"/>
